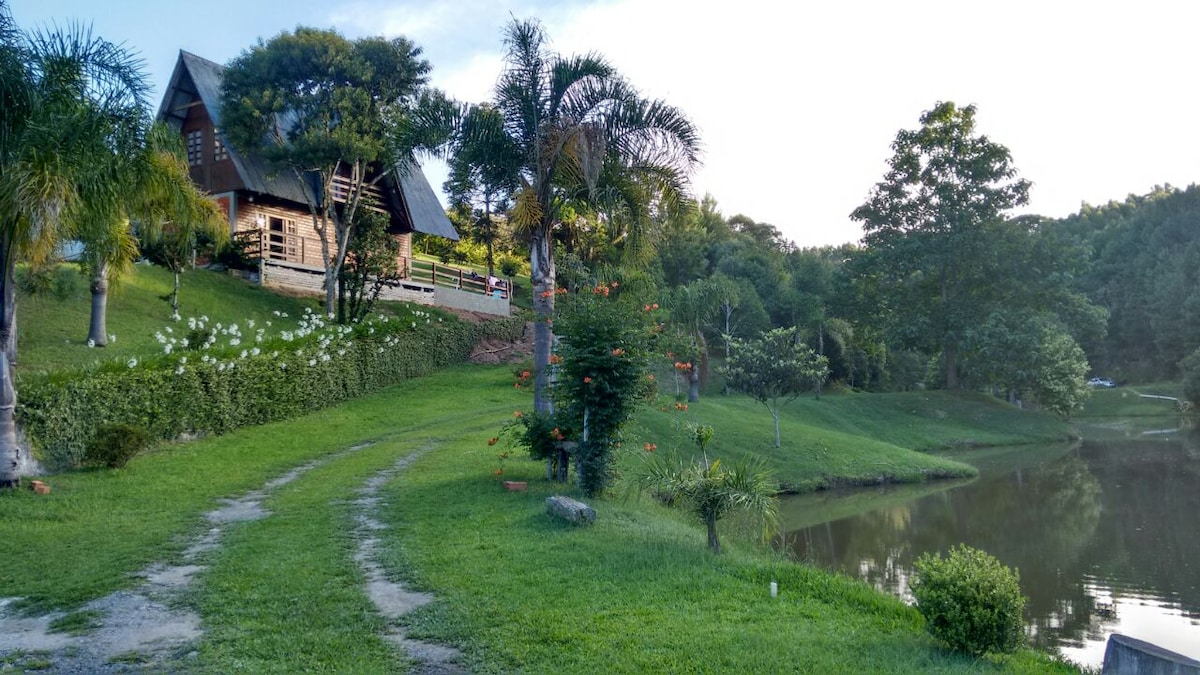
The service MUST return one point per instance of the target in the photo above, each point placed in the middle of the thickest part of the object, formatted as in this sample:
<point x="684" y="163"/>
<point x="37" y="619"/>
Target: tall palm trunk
<point x="10" y="452"/>
<point x="542" y="278"/>
<point x="97" y="333"/>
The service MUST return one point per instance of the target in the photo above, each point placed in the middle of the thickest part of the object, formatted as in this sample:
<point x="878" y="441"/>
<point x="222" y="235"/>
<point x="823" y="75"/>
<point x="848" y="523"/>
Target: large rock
<point x="570" y="510"/>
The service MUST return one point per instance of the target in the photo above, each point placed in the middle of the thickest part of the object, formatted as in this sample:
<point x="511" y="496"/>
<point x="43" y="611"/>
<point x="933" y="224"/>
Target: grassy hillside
<point x="851" y="438"/>
<point x="52" y="326"/>
<point x="637" y="592"/>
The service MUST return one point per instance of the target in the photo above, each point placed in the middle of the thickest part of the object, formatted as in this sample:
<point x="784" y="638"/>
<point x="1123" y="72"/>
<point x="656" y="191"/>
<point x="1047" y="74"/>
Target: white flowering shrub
<point x="212" y="381"/>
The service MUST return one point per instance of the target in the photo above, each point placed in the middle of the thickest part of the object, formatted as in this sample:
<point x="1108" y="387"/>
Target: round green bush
<point x="115" y="444"/>
<point x="970" y="601"/>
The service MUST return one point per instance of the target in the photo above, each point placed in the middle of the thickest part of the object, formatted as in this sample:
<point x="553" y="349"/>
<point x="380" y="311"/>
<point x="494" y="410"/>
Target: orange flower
<point x="650" y="377"/>
<point x="546" y="294"/>
<point x="524" y="374"/>
<point x="587" y="380"/>
<point x="555" y="358"/>
<point x="556" y="433"/>
<point x="647" y="308"/>
<point x="654" y="306"/>
<point x="498" y="471"/>
<point x="516" y="413"/>
<point x="516" y="385"/>
<point x="493" y="440"/>
<point x="615" y="284"/>
<point x="618" y="351"/>
<point x="651" y="447"/>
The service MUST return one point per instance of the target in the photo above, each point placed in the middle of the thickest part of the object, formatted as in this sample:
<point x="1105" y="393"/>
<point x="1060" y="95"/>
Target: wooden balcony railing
<point x="261" y="244"/>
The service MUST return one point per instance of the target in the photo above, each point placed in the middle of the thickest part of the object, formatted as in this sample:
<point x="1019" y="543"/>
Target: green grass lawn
<point x="1126" y="401"/>
<point x="638" y="592"/>
<point x="53" y="327"/>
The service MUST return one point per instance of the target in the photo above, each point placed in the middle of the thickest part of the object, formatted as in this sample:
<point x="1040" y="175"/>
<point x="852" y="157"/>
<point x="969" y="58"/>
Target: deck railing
<point x="258" y="244"/>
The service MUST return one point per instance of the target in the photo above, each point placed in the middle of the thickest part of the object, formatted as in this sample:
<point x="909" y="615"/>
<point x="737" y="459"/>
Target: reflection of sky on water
<point x="1139" y="616"/>
<point x="1103" y="535"/>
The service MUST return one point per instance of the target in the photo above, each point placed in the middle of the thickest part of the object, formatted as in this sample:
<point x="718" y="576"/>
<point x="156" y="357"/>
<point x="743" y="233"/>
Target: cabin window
<point x="195" y="147"/>
<point x="220" y="152"/>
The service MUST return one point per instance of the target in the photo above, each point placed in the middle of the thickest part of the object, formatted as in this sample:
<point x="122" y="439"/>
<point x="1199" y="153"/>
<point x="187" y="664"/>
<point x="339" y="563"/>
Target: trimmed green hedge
<point x="61" y="413"/>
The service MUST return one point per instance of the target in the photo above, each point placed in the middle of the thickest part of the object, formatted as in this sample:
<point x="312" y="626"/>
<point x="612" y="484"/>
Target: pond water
<point x="1105" y="533"/>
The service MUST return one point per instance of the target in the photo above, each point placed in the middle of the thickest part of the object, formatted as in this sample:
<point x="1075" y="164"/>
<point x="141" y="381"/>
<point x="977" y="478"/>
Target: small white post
<point x="774" y="590"/>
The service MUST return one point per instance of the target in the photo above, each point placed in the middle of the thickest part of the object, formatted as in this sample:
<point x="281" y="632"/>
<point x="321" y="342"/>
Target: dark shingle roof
<point x="194" y="76"/>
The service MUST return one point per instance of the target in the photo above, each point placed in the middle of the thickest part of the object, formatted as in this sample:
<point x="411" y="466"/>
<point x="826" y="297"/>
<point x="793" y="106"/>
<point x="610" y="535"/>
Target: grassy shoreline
<point x="638" y="592"/>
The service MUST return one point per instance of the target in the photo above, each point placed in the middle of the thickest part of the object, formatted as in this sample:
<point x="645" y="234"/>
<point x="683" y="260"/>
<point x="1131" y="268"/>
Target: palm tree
<point x="149" y="171"/>
<point x="484" y="170"/>
<point x="574" y="119"/>
<point x="713" y="491"/>
<point x="59" y="94"/>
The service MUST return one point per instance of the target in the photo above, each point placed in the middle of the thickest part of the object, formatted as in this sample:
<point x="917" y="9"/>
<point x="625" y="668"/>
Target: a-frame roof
<point x="195" y="76"/>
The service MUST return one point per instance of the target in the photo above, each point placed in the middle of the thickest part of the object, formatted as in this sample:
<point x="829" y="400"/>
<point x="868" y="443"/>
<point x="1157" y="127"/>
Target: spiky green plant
<point x="713" y="491"/>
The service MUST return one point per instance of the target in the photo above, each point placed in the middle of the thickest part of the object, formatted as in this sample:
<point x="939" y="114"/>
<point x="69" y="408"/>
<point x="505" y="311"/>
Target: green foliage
<point x="970" y="601"/>
<point x="115" y="444"/>
<point x="713" y="491"/>
<point x="187" y="394"/>
<point x="372" y="263"/>
<point x="60" y="282"/>
<point x="603" y="375"/>
<point x="774" y="369"/>
<point x="539" y="433"/>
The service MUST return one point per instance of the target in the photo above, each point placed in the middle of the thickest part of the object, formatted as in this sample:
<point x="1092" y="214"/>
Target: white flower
<point x="414" y="324"/>
<point x="283" y="366"/>
<point x="91" y="342"/>
<point x="275" y="354"/>
<point x="381" y="350"/>
<point x="341" y="352"/>
<point x="112" y="338"/>
<point x="325" y="357"/>
<point x="183" y="359"/>
<point x="168" y="329"/>
<point x="179" y="370"/>
<point x="254" y="352"/>
<point x="184" y="343"/>
<point x="220" y="367"/>
<point x="204" y="318"/>
<point x="176" y="317"/>
<point x="268" y="324"/>
<point x="235" y="342"/>
<point x="276" y="313"/>
<point x="312" y="362"/>
<point x="249" y="323"/>
<point x="284" y="315"/>
<point x="166" y="349"/>
<point x="244" y="354"/>
<point x="132" y="363"/>
<point x="191" y="323"/>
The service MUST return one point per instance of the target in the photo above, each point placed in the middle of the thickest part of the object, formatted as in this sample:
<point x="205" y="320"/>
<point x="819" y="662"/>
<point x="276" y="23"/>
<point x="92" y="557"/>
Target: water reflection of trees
<point x="1026" y="517"/>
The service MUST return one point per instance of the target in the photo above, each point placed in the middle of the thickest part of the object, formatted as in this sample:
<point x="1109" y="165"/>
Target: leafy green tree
<point x="928" y="225"/>
<point x="59" y="92"/>
<point x="572" y="119"/>
<point x="1190" y="367"/>
<point x="774" y="369"/>
<point x="330" y="110"/>
<point x="371" y="264"/>
<point x="602" y="376"/>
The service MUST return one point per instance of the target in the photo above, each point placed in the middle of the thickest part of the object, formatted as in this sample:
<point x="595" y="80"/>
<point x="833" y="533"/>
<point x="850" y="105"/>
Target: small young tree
<point x="713" y="491"/>
<point x="602" y="375"/>
<point x="371" y="264"/>
<point x="774" y="369"/>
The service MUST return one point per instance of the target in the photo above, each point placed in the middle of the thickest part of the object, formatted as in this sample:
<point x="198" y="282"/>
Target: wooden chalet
<point x="268" y="212"/>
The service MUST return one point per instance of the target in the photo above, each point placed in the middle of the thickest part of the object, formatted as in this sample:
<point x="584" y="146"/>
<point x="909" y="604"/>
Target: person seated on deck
<point x="494" y="283"/>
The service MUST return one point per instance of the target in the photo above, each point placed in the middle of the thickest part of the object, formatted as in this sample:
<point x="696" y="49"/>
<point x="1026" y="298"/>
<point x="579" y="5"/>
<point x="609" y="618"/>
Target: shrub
<point x="221" y="390"/>
<point x="970" y="601"/>
<point x="115" y="444"/>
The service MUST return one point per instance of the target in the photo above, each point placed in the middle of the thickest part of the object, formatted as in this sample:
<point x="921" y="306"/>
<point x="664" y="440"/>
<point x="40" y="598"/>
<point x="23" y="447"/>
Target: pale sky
<point x="797" y="103"/>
